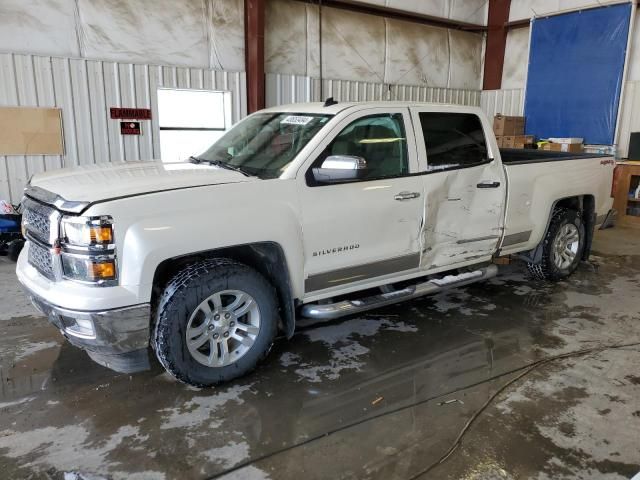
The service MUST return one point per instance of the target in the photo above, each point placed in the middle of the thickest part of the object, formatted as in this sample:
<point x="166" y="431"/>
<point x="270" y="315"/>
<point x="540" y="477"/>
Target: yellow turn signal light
<point x="104" y="270"/>
<point x="101" y="234"/>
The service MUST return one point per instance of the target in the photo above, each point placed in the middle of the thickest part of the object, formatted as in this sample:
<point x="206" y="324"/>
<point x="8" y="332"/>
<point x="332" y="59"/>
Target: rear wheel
<point x="562" y="246"/>
<point x="216" y="320"/>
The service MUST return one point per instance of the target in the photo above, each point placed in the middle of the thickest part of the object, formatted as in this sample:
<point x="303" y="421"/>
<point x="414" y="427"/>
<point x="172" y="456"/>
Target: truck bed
<point x="538" y="178"/>
<point x="517" y="156"/>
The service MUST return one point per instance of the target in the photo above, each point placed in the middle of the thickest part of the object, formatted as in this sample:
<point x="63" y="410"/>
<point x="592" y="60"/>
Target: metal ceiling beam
<point x="254" y="53"/>
<point x="496" y="43"/>
<point x="380" y="11"/>
<point x="524" y="23"/>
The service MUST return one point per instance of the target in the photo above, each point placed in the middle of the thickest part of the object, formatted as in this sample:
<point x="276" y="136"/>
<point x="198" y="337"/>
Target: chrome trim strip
<point x="515" y="238"/>
<point x="478" y="239"/>
<point x="341" y="276"/>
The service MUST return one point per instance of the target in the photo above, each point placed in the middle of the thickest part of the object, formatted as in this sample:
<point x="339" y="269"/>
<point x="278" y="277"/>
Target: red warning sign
<point x="130" y="128"/>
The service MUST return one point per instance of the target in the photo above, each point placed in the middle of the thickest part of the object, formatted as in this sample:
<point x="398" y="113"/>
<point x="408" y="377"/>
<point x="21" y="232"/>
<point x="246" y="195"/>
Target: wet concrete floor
<point x="381" y="395"/>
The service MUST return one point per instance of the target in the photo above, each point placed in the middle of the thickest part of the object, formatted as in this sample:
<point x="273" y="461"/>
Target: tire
<point x="14" y="249"/>
<point x="565" y="225"/>
<point x="196" y="302"/>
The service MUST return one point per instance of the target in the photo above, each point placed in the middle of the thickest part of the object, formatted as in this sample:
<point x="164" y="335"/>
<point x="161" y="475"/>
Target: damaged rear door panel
<point x="464" y="185"/>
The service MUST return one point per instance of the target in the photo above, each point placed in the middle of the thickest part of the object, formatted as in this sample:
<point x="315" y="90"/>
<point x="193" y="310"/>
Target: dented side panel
<point x="462" y="222"/>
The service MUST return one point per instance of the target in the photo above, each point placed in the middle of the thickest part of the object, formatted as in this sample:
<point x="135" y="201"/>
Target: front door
<point x="464" y="188"/>
<point x="363" y="231"/>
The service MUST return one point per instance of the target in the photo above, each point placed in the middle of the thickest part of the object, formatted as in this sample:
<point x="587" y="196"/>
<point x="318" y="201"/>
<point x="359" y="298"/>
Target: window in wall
<point x="453" y="140"/>
<point x="379" y="139"/>
<point x="190" y="121"/>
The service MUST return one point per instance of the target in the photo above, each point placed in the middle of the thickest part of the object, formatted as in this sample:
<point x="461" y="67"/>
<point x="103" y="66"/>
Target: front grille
<point x="37" y="219"/>
<point x="41" y="225"/>
<point x="41" y="258"/>
<point x="38" y="223"/>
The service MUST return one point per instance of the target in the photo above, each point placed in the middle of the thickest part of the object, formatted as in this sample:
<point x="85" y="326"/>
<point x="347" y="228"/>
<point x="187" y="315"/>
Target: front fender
<point x="152" y="228"/>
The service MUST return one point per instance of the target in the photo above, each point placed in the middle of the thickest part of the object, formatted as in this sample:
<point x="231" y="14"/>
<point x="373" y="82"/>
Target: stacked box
<point x="564" y="147"/>
<point x="515" y="141"/>
<point x="510" y="132"/>
<point x="508" y="126"/>
<point x="508" y="141"/>
<point x="523" y="141"/>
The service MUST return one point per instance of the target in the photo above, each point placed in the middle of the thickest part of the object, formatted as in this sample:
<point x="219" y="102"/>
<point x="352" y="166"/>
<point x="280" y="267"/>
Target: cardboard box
<point x="508" y="141"/>
<point x="508" y="126"/>
<point x="564" y="147"/>
<point x="566" y="140"/>
<point x="526" y="139"/>
<point x="506" y="260"/>
<point x="523" y="141"/>
<point x="600" y="149"/>
<point x="500" y="142"/>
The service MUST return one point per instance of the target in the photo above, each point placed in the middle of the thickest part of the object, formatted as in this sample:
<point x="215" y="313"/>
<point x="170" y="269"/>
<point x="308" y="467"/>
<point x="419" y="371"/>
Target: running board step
<point x="330" y="311"/>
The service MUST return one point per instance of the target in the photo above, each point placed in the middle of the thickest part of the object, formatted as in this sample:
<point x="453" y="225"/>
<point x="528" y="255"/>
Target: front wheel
<point x="562" y="246"/>
<point x="216" y="320"/>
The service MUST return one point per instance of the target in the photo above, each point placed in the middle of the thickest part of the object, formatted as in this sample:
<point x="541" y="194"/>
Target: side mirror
<point x="340" y="168"/>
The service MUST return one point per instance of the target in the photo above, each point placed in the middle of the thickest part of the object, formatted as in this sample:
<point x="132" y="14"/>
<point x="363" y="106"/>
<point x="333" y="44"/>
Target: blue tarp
<point x="576" y="63"/>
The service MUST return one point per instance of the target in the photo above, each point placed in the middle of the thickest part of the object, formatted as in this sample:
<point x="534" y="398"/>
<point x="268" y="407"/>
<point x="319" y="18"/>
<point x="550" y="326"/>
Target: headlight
<point x="88" y="269"/>
<point x="87" y="231"/>
<point x="88" y="250"/>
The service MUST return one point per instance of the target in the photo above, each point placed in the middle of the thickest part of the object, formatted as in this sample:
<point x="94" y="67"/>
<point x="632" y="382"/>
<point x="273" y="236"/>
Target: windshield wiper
<point x="221" y="164"/>
<point x="228" y="166"/>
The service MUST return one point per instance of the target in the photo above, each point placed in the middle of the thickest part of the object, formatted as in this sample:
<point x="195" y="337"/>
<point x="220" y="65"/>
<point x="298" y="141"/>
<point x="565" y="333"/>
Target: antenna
<point x="330" y="101"/>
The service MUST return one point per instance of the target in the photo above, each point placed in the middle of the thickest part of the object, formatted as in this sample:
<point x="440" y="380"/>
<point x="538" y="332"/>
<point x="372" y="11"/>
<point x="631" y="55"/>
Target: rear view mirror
<point x="340" y="168"/>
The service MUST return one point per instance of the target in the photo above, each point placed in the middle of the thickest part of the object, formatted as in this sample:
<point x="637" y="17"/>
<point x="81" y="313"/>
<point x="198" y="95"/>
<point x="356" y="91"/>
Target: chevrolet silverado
<point x="313" y="210"/>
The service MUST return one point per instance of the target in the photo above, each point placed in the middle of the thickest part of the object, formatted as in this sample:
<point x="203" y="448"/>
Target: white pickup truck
<point x="314" y="210"/>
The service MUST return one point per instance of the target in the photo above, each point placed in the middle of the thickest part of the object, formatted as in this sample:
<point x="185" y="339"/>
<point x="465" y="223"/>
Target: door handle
<point x="488" y="184"/>
<point x="402" y="196"/>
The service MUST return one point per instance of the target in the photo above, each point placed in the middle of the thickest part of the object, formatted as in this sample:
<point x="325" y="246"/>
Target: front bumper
<point x="117" y="339"/>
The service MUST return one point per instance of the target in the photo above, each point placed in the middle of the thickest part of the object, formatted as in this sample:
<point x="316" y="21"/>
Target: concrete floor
<point x="382" y="395"/>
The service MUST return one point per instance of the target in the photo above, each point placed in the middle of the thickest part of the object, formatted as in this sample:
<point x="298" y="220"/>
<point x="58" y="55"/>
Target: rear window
<point x="453" y="140"/>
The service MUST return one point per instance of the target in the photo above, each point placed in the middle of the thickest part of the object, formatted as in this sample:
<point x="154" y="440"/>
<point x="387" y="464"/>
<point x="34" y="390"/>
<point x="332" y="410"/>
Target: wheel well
<point x="586" y="205"/>
<point x="267" y="258"/>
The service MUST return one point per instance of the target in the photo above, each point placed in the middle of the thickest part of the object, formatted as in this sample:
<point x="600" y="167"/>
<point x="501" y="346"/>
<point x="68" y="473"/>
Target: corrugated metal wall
<point x="282" y="89"/>
<point x="85" y="89"/>
<point x="507" y="102"/>
<point x="369" y="48"/>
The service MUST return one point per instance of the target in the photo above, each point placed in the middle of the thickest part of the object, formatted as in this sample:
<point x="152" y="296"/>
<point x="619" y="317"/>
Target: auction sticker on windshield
<point x="296" y="120"/>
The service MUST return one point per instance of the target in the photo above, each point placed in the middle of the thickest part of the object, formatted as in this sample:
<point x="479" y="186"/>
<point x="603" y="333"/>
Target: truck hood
<point x="94" y="183"/>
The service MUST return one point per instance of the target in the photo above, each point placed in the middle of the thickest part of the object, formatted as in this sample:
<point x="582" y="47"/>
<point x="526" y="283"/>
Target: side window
<point x="453" y="140"/>
<point x="379" y="139"/>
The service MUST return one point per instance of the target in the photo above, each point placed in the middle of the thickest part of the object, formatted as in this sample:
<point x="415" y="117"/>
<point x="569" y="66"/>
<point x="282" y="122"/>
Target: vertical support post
<point x="254" y="53"/>
<point x="320" y="49"/>
<point x="496" y="43"/>
<point x="617" y="141"/>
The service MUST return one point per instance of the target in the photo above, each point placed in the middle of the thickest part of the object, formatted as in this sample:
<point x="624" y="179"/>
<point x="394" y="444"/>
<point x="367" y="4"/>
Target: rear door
<point x="464" y="187"/>
<point x="366" y="230"/>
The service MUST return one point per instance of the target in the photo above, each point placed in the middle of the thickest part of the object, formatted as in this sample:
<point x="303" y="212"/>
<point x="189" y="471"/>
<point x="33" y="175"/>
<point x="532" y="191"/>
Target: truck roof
<point x="318" y="107"/>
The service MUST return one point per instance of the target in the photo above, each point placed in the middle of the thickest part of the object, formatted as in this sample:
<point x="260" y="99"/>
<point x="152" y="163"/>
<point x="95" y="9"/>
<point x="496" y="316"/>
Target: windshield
<point x="264" y="144"/>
